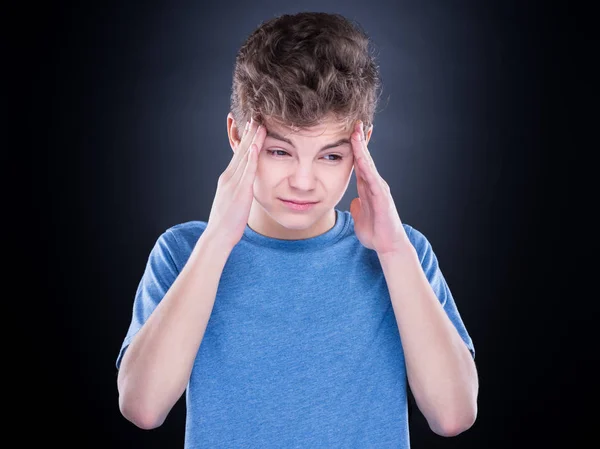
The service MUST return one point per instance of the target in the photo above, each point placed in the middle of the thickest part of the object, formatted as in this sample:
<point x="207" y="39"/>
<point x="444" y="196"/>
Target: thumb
<point x="355" y="208"/>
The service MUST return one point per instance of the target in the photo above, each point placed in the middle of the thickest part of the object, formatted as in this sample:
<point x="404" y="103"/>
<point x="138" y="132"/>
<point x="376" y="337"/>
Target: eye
<point x="272" y="152"/>
<point x="281" y="153"/>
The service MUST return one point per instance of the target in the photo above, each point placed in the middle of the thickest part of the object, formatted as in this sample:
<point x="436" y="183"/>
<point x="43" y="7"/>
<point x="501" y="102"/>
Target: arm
<point x="156" y="367"/>
<point x="440" y="368"/>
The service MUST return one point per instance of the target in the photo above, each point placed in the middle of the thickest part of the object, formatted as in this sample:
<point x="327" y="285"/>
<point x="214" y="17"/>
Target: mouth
<point x="298" y="206"/>
<point x="299" y="202"/>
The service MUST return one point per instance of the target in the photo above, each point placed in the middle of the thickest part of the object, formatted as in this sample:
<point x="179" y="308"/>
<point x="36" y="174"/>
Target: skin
<point x="156" y="368"/>
<point x="440" y="369"/>
<point x="300" y="171"/>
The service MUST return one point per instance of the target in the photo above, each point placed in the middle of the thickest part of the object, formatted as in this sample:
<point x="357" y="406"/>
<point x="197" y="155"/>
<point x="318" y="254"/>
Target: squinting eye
<point x="276" y="151"/>
<point x="272" y="152"/>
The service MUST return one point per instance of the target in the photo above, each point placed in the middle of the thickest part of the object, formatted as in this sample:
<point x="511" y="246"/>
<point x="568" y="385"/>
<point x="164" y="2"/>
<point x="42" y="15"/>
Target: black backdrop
<point x="123" y="109"/>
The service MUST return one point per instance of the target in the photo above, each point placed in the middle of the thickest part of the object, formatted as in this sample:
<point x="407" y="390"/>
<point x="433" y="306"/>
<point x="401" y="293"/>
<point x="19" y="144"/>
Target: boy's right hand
<point x="231" y="205"/>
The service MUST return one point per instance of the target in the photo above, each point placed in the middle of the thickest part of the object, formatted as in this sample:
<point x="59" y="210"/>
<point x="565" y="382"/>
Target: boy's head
<point x="308" y="77"/>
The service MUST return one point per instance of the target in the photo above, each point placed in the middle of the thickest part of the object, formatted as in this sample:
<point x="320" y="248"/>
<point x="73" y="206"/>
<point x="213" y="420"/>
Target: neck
<point x="263" y="223"/>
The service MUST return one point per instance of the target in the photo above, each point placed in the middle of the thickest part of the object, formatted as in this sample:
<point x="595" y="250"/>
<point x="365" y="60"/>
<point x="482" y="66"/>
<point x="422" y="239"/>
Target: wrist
<point x="212" y="245"/>
<point x="405" y="252"/>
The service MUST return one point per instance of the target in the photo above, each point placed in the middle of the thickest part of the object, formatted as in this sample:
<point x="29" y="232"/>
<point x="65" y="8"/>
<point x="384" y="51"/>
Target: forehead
<point x="327" y="128"/>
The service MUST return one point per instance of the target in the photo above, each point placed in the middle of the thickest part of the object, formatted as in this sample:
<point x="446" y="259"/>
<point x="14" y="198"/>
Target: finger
<point x="363" y="193"/>
<point x="361" y="181"/>
<point x="246" y="138"/>
<point x="363" y="152"/>
<point x="249" y="173"/>
<point x="243" y="159"/>
<point x="245" y="142"/>
<point x="359" y="154"/>
<point x="254" y="147"/>
<point x="245" y="131"/>
<point x="370" y="177"/>
<point x="357" y="149"/>
<point x="357" y="170"/>
<point x="363" y="144"/>
<point x="233" y="163"/>
<point x="361" y="184"/>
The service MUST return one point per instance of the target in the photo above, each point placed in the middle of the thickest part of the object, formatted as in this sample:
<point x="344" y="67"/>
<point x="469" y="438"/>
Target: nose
<point x="303" y="177"/>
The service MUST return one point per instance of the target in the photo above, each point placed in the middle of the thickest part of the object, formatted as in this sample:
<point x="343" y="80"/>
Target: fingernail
<point x="246" y="127"/>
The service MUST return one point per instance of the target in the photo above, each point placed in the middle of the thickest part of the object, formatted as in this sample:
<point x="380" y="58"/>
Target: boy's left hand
<point x="376" y="220"/>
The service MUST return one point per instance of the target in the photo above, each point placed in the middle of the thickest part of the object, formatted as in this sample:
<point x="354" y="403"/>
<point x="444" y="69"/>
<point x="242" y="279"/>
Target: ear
<point x="368" y="134"/>
<point x="233" y="131"/>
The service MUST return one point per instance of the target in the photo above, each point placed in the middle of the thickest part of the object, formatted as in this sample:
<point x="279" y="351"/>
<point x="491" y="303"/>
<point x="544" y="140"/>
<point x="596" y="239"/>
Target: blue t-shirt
<point x="302" y="349"/>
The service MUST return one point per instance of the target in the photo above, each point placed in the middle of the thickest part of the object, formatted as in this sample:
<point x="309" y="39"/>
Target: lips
<point x="299" y="202"/>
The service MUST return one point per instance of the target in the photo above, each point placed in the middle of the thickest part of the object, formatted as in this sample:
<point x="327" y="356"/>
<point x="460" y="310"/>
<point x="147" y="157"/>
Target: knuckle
<point x="237" y="195"/>
<point x="224" y="177"/>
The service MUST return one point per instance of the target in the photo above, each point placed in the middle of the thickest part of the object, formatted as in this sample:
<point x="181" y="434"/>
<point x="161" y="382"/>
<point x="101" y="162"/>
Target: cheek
<point x="269" y="173"/>
<point x="263" y="180"/>
<point x="264" y="172"/>
<point x="347" y="170"/>
<point x="344" y="178"/>
<point x="338" y="181"/>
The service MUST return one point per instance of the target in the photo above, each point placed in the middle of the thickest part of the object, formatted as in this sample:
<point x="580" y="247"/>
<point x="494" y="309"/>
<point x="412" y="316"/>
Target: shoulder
<point x="424" y="249"/>
<point x="179" y="240"/>
<point x="418" y="240"/>
<point x="186" y="230"/>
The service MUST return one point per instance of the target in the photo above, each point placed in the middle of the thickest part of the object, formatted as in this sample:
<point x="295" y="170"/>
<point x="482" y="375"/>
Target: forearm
<point x="156" y="367"/>
<point x="440" y="369"/>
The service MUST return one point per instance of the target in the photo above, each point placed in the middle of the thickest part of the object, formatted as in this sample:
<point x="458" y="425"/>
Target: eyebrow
<point x="274" y="135"/>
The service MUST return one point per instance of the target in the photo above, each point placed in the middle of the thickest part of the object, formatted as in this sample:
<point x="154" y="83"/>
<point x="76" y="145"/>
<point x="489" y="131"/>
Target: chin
<point x="295" y="220"/>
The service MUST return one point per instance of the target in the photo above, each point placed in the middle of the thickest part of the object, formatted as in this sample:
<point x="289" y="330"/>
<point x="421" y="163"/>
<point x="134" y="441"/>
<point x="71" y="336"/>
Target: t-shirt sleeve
<point x="430" y="265"/>
<point x="159" y="274"/>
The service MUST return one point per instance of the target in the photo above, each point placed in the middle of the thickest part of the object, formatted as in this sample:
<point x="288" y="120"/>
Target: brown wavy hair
<point x="299" y="68"/>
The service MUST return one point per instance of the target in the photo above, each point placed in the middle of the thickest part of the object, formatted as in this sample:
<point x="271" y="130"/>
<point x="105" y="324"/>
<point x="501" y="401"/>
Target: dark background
<point x="484" y="106"/>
